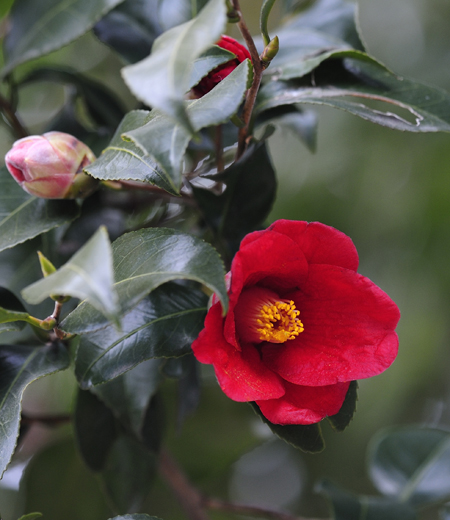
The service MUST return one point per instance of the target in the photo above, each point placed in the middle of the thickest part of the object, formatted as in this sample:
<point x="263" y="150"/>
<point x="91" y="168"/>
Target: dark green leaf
<point x="9" y="302"/>
<point x="444" y="512"/>
<point x="19" y="367"/>
<point x="302" y="123"/>
<point x="347" y="506"/>
<point x="128" y="475"/>
<point x="154" y="423"/>
<point x="366" y="89"/>
<point x="144" y="260"/>
<point x="130" y="29"/>
<point x="95" y="430"/>
<point x="129" y="395"/>
<point x="342" y="419"/>
<point x="23" y="217"/>
<point x="162" y="79"/>
<point x="412" y="463"/>
<point x="37" y="28"/>
<point x="188" y="388"/>
<point x="88" y="275"/>
<point x="307" y="438"/>
<point x="166" y="141"/>
<point x="50" y="481"/>
<point x="248" y="198"/>
<point x="123" y="160"/>
<point x="163" y="325"/>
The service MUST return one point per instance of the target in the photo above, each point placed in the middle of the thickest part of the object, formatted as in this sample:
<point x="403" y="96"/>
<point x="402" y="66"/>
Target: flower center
<point x="261" y="315"/>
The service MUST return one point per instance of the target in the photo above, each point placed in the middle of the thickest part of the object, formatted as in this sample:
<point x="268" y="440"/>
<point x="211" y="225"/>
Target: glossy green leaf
<point x="347" y="506"/>
<point x="162" y="79"/>
<point x="130" y="29"/>
<point x="208" y="61"/>
<point x="31" y="516"/>
<point x="95" y="429"/>
<point x="88" y="275"/>
<point x="123" y="160"/>
<point x="342" y="419"/>
<point x="366" y="89"/>
<point x="128" y="474"/>
<point x="162" y="325"/>
<point x="166" y="141"/>
<point x="20" y="366"/>
<point x="413" y="464"/>
<point x="248" y="197"/>
<point x="129" y="395"/>
<point x="144" y="260"/>
<point x="11" y="309"/>
<point x="37" y="28"/>
<point x="307" y="438"/>
<point x="23" y="217"/>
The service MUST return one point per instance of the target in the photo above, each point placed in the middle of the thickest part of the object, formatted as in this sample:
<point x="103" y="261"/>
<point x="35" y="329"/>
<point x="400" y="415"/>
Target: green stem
<point x="12" y="118"/>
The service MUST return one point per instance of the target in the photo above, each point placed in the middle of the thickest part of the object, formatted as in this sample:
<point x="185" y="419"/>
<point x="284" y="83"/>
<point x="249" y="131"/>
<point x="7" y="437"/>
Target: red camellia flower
<point x="302" y="323"/>
<point x="221" y="72"/>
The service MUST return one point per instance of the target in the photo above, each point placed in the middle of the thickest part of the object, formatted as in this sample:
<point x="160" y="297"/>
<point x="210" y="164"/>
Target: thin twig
<point x="239" y="509"/>
<point x="258" y="69"/>
<point x="158" y="192"/>
<point x="48" y="420"/>
<point x="188" y="496"/>
<point x="12" y="118"/>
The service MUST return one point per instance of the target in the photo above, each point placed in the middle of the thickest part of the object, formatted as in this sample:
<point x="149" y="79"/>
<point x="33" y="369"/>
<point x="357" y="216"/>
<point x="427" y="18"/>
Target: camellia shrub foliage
<point x="144" y="251"/>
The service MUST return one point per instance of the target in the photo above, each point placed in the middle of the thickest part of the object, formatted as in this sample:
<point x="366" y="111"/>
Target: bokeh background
<point x="390" y="192"/>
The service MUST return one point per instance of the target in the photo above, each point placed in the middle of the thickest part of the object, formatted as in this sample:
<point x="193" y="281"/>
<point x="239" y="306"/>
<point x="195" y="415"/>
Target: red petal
<point x="320" y="244"/>
<point x="273" y="261"/>
<point x="304" y="404"/>
<point x="241" y="375"/>
<point x="349" y="330"/>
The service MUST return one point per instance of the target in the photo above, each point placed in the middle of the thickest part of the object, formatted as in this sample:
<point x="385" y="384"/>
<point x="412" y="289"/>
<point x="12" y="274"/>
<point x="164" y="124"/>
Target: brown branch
<point x="188" y="496"/>
<point x="12" y="118"/>
<point x="48" y="420"/>
<point x="240" y="509"/>
<point x="258" y="69"/>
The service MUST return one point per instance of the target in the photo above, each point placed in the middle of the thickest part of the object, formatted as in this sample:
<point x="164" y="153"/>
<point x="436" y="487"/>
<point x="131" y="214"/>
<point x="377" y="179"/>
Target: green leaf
<point x="38" y="28"/>
<point x="123" y="160"/>
<point x="144" y="260"/>
<point x="307" y="438"/>
<point x="23" y="217"/>
<point x="444" y="512"/>
<point x="162" y="79"/>
<point x="11" y="309"/>
<point x="87" y="275"/>
<point x="347" y="506"/>
<point x="248" y="198"/>
<point x="129" y="395"/>
<point x="208" y="61"/>
<point x="342" y="419"/>
<point x="30" y="516"/>
<point x="367" y="89"/>
<point x="95" y="430"/>
<point x="5" y="6"/>
<point x="128" y="475"/>
<point x="166" y="141"/>
<point x="20" y="366"/>
<point x="163" y="325"/>
<point x="412" y="463"/>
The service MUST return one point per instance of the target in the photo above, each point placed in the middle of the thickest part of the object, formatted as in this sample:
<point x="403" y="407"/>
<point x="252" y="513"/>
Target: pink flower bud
<point x="51" y="166"/>
<point x="222" y="71"/>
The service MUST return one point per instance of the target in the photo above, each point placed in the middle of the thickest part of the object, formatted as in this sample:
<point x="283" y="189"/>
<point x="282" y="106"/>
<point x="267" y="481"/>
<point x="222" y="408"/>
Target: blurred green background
<point x="390" y="192"/>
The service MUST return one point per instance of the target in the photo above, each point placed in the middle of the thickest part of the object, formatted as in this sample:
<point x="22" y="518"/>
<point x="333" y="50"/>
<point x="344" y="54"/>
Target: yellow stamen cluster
<point x="279" y="322"/>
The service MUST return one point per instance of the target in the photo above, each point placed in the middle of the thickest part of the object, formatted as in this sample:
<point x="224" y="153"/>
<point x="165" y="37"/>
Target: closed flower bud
<point x="222" y="71"/>
<point x="51" y="166"/>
